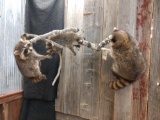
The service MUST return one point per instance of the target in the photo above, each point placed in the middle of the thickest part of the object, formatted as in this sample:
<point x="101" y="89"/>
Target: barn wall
<point x="83" y="90"/>
<point x="11" y="27"/>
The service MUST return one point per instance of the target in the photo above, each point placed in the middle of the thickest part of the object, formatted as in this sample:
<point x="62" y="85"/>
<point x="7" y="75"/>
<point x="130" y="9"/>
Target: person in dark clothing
<point x="39" y="98"/>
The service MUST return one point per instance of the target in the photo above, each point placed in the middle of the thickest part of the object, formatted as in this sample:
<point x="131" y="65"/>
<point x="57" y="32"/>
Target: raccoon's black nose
<point x="113" y="39"/>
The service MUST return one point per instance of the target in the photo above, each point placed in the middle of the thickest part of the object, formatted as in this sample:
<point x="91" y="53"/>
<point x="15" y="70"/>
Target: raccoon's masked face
<point x="119" y="39"/>
<point x="24" y="49"/>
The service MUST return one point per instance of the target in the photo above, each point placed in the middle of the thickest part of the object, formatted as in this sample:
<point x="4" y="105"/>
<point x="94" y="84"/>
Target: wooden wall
<point x="83" y="93"/>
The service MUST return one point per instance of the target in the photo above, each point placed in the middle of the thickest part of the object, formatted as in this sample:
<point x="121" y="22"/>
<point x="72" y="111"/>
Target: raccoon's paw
<point x="77" y="47"/>
<point x="48" y="56"/>
<point x="36" y="80"/>
<point x="44" y="77"/>
<point x="49" y="48"/>
<point x="48" y="44"/>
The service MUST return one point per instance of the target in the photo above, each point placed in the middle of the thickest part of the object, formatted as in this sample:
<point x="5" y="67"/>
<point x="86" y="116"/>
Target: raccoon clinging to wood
<point x="28" y="60"/>
<point x="69" y="39"/>
<point x="128" y="62"/>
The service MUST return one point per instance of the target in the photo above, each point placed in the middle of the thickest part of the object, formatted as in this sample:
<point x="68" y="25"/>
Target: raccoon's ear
<point x="16" y="52"/>
<point x="21" y="40"/>
<point x="115" y="29"/>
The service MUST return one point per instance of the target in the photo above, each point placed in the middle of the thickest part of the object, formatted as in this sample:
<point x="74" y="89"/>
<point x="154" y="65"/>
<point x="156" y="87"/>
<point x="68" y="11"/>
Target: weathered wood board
<point x="154" y="90"/>
<point x="83" y="90"/>
<point x="61" y="116"/>
<point x="71" y="75"/>
<point x="143" y="32"/>
<point x="80" y="92"/>
<point x="109" y="21"/>
<point x="126" y="21"/>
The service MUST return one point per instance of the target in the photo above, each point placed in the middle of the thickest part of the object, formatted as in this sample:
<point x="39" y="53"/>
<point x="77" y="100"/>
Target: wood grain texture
<point x="10" y="97"/>
<point x="143" y="31"/>
<point x="154" y="90"/>
<point x="123" y="97"/>
<point x="14" y="109"/>
<point x="92" y="60"/>
<point x="1" y="112"/>
<point x="106" y="108"/>
<point x="61" y="116"/>
<point x="70" y="79"/>
<point x="10" y="106"/>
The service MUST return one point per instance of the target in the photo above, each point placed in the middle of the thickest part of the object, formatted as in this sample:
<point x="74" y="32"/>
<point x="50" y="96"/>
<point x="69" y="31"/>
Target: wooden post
<point x="143" y="32"/>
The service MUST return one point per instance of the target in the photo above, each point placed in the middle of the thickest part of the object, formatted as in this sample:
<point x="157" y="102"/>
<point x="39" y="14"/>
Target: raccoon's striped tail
<point x="120" y="82"/>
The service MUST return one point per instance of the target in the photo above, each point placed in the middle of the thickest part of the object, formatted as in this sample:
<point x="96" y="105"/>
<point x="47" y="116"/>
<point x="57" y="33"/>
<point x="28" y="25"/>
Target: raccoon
<point x="28" y="60"/>
<point x="69" y="39"/>
<point x="128" y="62"/>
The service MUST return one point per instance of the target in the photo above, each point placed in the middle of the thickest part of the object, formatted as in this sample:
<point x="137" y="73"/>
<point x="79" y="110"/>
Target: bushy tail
<point x="118" y="84"/>
<point x="121" y="82"/>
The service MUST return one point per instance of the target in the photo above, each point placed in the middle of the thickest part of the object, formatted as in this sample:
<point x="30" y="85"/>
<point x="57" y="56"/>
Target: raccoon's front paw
<point x="77" y="47"/>
<point x="49" y="47"/>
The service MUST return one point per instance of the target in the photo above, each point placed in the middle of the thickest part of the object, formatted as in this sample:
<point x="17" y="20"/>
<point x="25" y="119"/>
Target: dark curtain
<point x="41" y="17"/>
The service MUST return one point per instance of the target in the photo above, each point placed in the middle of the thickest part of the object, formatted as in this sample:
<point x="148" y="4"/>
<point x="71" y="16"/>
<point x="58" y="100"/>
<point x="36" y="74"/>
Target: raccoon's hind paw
<point x="44" y="77"/>
<point x="48" y="56"/>
<point x="35" y="80"/>
<point x="38" y="79"/>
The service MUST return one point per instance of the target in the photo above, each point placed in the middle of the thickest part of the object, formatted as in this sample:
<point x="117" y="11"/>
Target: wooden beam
<point x="11" y="96"/>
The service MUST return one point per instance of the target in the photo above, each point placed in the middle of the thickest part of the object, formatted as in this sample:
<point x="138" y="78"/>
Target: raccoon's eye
<point x="25" y="52"/>
<point x="77" y="39"/>
<point x="28" y="45"/>
<point x="113" y="39"/>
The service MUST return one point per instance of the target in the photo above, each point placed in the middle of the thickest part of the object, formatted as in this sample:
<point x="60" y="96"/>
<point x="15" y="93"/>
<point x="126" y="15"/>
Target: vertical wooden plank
<point x="70" y="80"/>
<point x="143" y="30"/>
<point x="154" y="90"/>
<point x="107" y="94"/>
<point x="14" y="109"/>
<point x="5" y="111"/>
<point x="89" y="102"/>
<point x="1" y="112"/>
<point x="127" y="22"/>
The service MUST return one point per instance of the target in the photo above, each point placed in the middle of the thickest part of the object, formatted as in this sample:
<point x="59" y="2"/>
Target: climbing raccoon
<point x="128" y="62"/>
<point x="28" y="60"/>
